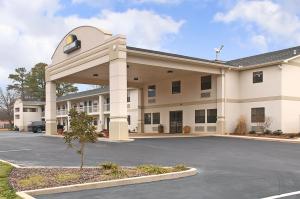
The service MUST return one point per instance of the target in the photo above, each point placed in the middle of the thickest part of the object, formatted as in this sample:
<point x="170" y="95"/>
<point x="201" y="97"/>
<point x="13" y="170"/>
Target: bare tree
<point x="7" y="101"/>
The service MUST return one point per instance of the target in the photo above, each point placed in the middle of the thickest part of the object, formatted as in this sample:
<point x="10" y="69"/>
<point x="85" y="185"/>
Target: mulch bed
<point x="283" y="136"/>
<point x="54" y="177"/>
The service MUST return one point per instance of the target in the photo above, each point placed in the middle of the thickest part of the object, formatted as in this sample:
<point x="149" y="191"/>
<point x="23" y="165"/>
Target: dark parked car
<point x="37" y="127"/>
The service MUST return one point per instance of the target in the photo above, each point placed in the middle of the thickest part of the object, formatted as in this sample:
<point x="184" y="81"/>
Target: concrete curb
<point x="294" y="141"/>
<point x="99" y="139"/>
<point x="106" y="184"/>
<point x="12" y="164"/>
<point x="170" y="136"/>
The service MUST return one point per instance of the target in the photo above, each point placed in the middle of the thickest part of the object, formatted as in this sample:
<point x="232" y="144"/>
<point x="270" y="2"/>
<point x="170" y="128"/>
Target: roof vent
<point x="295" y="52"/>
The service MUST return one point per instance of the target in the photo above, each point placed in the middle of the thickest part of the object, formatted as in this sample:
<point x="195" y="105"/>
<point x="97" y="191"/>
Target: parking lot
<point x="229" y="168"/>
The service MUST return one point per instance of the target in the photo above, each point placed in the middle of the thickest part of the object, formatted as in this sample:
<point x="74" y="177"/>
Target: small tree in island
<point x="82" y="131"/>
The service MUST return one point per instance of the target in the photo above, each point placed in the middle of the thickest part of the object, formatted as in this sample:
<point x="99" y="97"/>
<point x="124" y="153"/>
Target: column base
<point x="118" y="129"/>
<point x="51" y="128"/>
<point x="221" y="126"/>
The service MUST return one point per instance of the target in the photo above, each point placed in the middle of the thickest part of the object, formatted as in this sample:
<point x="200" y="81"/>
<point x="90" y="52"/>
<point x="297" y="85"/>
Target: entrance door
<point x="175" y="121"/>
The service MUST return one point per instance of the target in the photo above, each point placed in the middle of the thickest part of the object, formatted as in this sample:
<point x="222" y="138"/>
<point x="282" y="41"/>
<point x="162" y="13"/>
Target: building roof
<point x="270" y="57"/>
<point x="173" y="55"/>
<point x="92" y="92"/>
<point x="33" y="103"/>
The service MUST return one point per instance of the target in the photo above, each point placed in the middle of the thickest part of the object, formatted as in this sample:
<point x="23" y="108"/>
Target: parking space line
<point x="15" y="150"/>
<point x="283" y="195"/>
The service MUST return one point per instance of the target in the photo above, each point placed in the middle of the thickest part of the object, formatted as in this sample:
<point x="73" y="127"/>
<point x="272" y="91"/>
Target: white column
<point x="140" y="111"/>
<point x="50" y="108"/>
<point x="68" y="117"/>
<point x="100" y="111"/>
<point x="118" y="126"/>
<point x="221" y="103"/>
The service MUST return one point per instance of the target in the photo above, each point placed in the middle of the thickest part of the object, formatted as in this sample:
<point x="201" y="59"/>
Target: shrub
<point x="277" y="132"/>
<point x="241" y="128"/>
<point x="152" y="169"/>
<point x="35" y="180"/>
<point x="267" y="131"/>
<point x="64" y="177"/>
<point x="109" y="166"/>
<point x="180" y="167"/>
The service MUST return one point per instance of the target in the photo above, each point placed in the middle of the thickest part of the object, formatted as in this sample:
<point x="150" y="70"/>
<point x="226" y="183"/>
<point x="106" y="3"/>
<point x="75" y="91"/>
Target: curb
<point x="106" y="184"/>
<point x="12" y="164"/>
<point x="260" y="138"/>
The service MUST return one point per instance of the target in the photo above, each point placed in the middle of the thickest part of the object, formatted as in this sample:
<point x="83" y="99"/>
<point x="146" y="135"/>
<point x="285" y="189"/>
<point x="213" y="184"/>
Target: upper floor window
<point x="156" y="118"/>
<point x="152" y="91"/>
<point x="200" y="116"/>
<point x="211" y="115"/>
<point x="29" y="109"/>
<point x="17" y="109"/>
<point x="128" y="97"/>
<point x="257" y="115"/>
<point x="258" y="77"/>
<point x="147" y="118"/>
<point x="17" y="116"/>
<point x="176" y="87"/>
<point x="206" y="82"/>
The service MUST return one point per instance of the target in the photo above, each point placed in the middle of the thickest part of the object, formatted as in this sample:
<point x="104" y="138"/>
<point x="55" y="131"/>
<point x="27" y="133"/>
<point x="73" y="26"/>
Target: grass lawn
<point x="6" y="191"/>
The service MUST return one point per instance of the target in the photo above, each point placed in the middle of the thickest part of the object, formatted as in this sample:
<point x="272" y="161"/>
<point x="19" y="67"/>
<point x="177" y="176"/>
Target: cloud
<point x="29" y="32"/>
<point x="268" y="19"/>
<point x="260" y="41"/>
<point x="101" y="3"/>
<point x="143" y="28"/>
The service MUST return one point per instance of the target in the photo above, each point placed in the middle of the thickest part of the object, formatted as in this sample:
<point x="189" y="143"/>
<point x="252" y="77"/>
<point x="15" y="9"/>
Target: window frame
<point x="156" y="120"/>
<point x="175" y="87"/>
<point x="205" y="82"/>
<point x="147" y="118"/>
<point x="151" y="91"/>
<point x="254" y="115"/>
<point x="209" y="117"/>
<point x="199" y="117"/>
<point x="257" y="77"/>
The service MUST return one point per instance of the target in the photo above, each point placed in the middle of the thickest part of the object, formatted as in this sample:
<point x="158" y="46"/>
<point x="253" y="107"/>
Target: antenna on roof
<point x="218" y="51"/>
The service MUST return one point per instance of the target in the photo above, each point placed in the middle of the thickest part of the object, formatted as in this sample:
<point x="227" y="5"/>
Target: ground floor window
<point x="200" y="116"/>
<point x="257" y="115"/>
<point x="156" y="118"/>
<point x="211" y="115"/>
<point x="147" y="118"/>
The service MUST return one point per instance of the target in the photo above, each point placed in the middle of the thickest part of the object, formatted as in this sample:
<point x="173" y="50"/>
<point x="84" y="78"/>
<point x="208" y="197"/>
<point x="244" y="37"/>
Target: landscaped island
<point x="14" y="180"/>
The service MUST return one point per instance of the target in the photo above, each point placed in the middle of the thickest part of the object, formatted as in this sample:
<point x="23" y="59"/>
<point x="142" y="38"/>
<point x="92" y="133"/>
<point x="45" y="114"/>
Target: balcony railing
<point x="62" y="112"/>
<point x="88" y="109"/>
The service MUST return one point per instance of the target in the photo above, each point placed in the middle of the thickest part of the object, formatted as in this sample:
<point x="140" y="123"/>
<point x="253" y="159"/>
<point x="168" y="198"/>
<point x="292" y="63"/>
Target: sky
<point x="31" y="30"/>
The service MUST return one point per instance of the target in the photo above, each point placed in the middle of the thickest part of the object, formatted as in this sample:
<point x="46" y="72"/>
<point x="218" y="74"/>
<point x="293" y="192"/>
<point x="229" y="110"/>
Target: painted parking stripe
<point x="283" y="195"/>
<point x="15" y="150"/>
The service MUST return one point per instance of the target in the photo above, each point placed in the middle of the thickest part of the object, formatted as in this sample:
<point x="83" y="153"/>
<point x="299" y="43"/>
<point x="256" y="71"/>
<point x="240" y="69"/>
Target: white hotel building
<point x="175" y="90"/>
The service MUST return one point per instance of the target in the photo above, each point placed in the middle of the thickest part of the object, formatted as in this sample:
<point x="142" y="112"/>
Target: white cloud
<point x="29" y="32"/>
<point x="266" y="18"/>
<point x="260" y="42"/>
<point x="102" y="3"/>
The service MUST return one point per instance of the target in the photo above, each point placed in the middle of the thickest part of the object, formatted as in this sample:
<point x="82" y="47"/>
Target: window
<point x="17" y="116"/>
<point x="128" y="119"/>
<point x="176" y="87"/>
<point x="128" y="97"/>
<point x="95" y="123"/>
<point x="200" y="116"/>
<point x="29" y="109"/>
<point x="152" y="91"/>
<point x="17" y="109"/>
<point x="211" y="115"/>
<point x="258" y="77"/>
<point x="156" y="118"/>
<point x="147" y="118"/>
<point x="257" y="115"/>
<point x="206" y="82"/>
